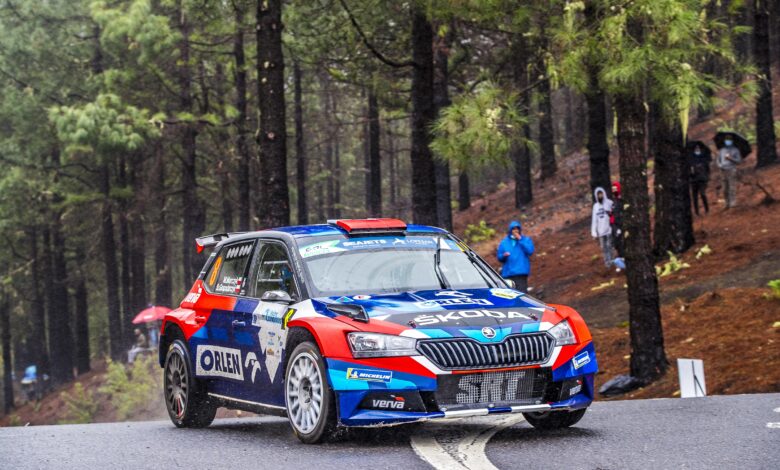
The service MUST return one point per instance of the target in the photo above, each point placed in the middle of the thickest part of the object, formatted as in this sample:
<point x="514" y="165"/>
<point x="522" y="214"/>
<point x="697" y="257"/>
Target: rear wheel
<point x="310" y="401"/>
<point x="548" y="420"/>
<point x="186" y="399"/>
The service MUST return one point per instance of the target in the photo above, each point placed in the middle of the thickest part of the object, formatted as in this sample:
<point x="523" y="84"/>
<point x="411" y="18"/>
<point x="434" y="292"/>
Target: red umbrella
<point x="152" y="313"/>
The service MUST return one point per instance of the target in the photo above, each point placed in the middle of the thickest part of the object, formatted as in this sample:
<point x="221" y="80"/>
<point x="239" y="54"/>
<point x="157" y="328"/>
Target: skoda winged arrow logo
<point x="488" y="332"/>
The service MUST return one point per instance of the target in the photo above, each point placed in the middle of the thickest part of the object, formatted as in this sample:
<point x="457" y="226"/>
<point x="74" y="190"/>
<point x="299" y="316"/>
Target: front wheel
<point x="186" y="399"/>
<point x="549" y="420"/>
<point x="310" y="401"/>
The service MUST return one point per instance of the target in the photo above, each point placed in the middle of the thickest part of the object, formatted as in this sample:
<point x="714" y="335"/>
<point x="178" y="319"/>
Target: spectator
<point x="728" y="159"/>
<point x="699" y="161"/>
<point x="600" y="227"/>
<point x="514" y="252"/>
<point x="141" y="345"/>
<point x="616" y="219"/>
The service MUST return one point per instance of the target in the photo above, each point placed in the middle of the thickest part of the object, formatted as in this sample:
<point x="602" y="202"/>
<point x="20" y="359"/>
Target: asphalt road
<point x="716" y="432"/>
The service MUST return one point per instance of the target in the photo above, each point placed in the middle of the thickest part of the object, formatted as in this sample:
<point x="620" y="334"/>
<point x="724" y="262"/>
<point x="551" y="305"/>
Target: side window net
<point x="274" y="272"/>
<point x="226" y="275"/>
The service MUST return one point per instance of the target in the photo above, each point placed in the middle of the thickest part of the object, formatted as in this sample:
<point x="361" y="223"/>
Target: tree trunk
<point x="8" y="365"/>
<point x="374" y="157"/>
<point x="81" y="317"/>
<point x="598" y="146"/>
<point x="520" y="154"/>
<point x="242" y="144"/>
<point x="464" y="192"/>
<point x="765" y="129"/>
<point x="274" y="207"/>
<point x="163" y="281"/>
<point x="59" y="319"/>
<point x="124" y="253"/>
<point x="648" y="360"/>
<point x="423" y="115"/>
<point x="224" y="166"/>
<point x="546" y="133"/>
<point x="138" y="298"/>
<point x="441" y="99"/>
<point x="193" y="221"/>
<point x="673" y="219"/>
<point x="335" y="135"/>
<point x="40" y="355"/>
<point x="330" y="182"/>
<point x="116" y="347"/>
<point x="392" y="167"/>
<point x="300" y="150"/>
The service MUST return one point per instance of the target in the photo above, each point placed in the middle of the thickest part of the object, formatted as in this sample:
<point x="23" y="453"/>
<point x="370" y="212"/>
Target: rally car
<point x="367" y="323"/>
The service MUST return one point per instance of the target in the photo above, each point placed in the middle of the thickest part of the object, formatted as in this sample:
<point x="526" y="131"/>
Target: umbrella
<point x="152" y="313"/>
<point x="740" y="142"/>
<point x="693" y="143"/>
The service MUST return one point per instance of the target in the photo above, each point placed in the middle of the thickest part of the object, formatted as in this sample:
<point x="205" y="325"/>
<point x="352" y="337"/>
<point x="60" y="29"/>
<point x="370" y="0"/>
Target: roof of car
<point x="300" y="231"/>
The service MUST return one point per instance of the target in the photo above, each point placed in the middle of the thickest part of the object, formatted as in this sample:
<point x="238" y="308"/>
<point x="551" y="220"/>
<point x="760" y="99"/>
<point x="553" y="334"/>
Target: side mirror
<point x="278" y="296"/>
<point x="510" y="283"/>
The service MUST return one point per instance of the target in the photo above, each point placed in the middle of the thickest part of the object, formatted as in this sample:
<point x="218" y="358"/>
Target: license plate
<point x="490" y="388"/>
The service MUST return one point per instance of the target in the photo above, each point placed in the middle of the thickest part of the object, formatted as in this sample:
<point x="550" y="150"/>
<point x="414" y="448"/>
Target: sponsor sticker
<point x="370" y="375"/>
<point x="581" y="359"/>
<point x="361" y="297"/>
<point x="506" y="293"/>
<point x="287" y="316"/>
<point x="575" y="390"/>
<point x="395" y="404"/>
<point x="457" y="315"/>
<point x="191" y="298"/>
<point x="321" y="248"/>
<point x="449" y="302"/>
<point x="216" y="361"/>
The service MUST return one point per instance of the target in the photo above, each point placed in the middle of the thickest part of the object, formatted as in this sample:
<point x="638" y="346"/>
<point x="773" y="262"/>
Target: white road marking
<point x="469" y="453"/>
<point x="773" y="425"/>
<point x="777" y="410"/>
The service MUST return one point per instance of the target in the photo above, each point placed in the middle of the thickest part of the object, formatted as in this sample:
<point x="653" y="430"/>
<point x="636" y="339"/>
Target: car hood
<point x="453" y="313"/>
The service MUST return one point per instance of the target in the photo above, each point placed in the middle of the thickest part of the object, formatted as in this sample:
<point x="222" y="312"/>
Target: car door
<point x="272" y="272"/>
<point x="219" y="347"/>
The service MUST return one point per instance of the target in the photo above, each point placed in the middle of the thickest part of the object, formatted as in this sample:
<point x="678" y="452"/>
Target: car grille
<point x="493" y="389"/>
<point x="464" y="353"/>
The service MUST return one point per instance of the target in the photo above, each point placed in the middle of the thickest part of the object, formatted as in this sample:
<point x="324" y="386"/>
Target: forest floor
<point x="718" y="309"/>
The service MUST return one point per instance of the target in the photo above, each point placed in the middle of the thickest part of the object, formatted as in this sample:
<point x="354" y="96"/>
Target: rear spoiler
<point x="209" y="241"/>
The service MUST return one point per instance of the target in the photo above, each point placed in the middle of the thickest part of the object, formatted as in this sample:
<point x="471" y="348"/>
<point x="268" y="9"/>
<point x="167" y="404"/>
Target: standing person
<point x="699" y="161"/>
<point x="728" y="159"/>
<point x="600" y="228"/>
<point x="616" y="219"/>
<point x="514" y="252"/>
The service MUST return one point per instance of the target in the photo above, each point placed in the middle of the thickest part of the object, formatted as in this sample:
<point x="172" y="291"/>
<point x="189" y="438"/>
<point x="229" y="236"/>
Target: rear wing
<point x="210" y="241"/>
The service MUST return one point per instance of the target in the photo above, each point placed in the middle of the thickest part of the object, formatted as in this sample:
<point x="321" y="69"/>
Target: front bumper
<point x="375" y="395"/>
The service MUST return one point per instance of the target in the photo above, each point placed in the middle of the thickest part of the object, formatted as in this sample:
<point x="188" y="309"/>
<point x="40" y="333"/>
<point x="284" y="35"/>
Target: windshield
<point x="373" y="265"/>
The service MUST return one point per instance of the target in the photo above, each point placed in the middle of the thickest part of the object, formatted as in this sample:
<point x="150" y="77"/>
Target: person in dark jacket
<point x="699" y="161"/>
<point x="514" y="252"/>
<point x="616" y="219"/>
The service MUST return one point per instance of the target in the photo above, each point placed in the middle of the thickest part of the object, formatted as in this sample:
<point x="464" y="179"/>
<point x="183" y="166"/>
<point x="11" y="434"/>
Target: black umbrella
<point x="704" y="149"/>
<point x="740" y="142"/>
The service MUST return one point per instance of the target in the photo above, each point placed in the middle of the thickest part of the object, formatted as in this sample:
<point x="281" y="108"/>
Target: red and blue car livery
<point x="364" y="323"/>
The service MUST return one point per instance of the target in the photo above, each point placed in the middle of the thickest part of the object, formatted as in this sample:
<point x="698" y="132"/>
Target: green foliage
<point x="103" y="126"/>
<point x="478" y="233"/>
<point x="131" y="387"/>
<point x="81" y="407"/>
<point x="479" y="129"/>
<point x="672" y="266"/>
<point x="703" y="251"/>
<point x="774" y="286"/>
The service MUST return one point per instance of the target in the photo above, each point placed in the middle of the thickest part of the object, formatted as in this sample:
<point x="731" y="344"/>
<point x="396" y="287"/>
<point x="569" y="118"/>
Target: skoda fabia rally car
<point x="367" y="323"/>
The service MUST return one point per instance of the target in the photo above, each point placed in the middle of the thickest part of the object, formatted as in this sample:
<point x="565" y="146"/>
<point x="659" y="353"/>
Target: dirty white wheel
<point x="308" y="396"/>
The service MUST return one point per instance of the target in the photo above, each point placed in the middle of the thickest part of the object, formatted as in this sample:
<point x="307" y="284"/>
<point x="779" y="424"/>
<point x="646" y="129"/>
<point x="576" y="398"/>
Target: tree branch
<point x="379" y="55"/>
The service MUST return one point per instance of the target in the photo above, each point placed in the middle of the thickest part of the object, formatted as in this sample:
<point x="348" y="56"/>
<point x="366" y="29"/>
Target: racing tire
<point x="186" y="400"/>
<point x="550" y="420"/>
<point x="311" y="403"/>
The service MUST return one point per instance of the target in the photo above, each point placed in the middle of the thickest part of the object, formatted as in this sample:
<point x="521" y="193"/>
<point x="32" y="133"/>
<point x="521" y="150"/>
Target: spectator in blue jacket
<point x="514" y="252"/>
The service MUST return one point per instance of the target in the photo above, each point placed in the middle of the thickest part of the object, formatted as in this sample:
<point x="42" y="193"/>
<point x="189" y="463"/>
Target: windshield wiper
<point x="437" y="266"/>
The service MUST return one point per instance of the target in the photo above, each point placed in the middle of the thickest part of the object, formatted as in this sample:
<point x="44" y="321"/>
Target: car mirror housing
<point x="510" y="283"/>
<point x="278" y="296"/>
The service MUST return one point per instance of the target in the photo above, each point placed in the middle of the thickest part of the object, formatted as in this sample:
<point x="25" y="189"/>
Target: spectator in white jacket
<point x="600" y="228"/>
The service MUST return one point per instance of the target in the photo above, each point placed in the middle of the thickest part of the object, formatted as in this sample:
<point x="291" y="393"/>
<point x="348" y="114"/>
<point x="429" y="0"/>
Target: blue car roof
<point x="300" y="231"/>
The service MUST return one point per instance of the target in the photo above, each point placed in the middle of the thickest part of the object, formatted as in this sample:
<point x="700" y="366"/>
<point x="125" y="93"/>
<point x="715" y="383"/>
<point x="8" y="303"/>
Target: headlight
<point x="562" y="334"/>
<point x="379" y="345"/>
